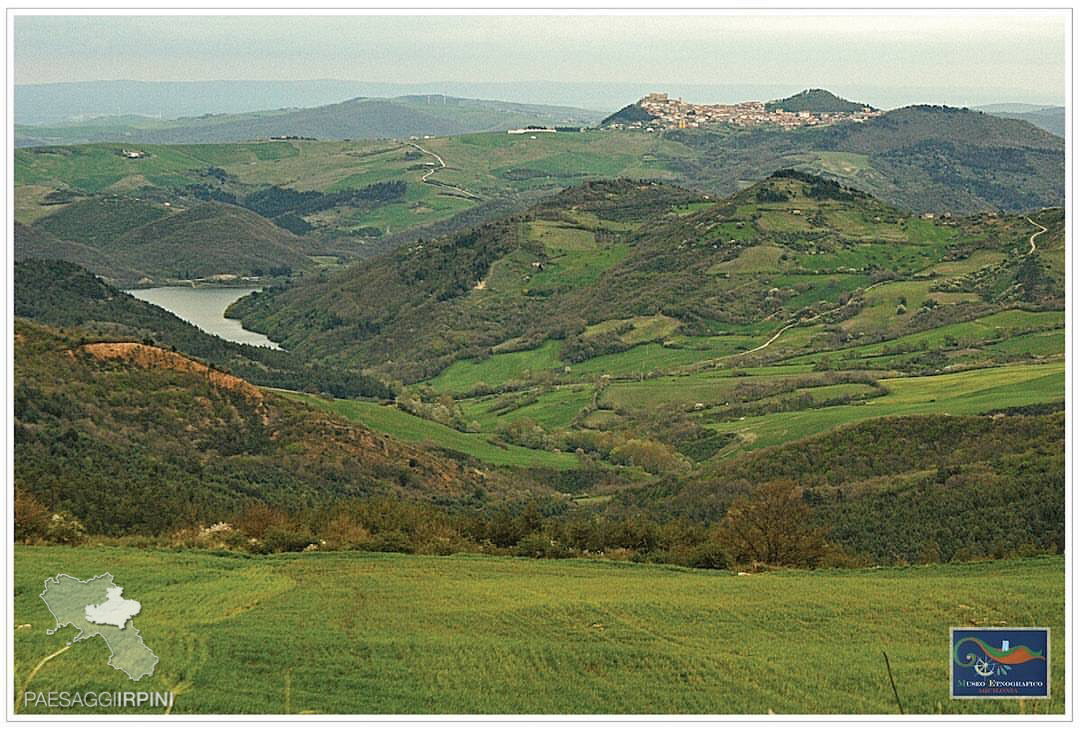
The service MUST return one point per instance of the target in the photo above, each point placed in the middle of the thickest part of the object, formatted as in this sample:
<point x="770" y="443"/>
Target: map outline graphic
<point x="127" y="650"/>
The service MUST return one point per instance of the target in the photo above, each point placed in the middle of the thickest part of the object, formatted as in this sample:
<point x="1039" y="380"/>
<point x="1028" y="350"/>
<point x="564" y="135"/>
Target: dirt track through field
<point x="1036" y="234"/>
<point x="442" y="165"/>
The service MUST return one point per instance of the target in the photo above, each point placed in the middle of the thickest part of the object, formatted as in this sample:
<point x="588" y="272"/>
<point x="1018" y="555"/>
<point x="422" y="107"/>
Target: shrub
<point x="257" y="519"/>
<point x="540" y="546"/>
<point x="709" y="556"/>
<point x="391" y="542"/>
<point x="31" y="517"/>
<point x="64" y="528"/>
<point x="344" y="532"/>
<point x="283" y="538"/>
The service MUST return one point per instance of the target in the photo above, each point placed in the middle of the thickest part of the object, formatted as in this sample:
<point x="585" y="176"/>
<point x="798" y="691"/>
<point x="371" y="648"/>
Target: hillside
<point x="118" y="235"/>
<point x="99" y="428"/>
<point x="610" y="252"/>
<point x="36" y="243"/>
<point x="896" y="488"/>
<point x="432" y="307"/>
<point x="627" y="114"/>
<point x="348" y="200"/>
<point x="1005" y="163"/>
<point x="922" y="158"/>
<point x="358" y="118"/>
<point x="633" y="351"/>
<point x="641" y="325"/>
<point x="816" y="101"/>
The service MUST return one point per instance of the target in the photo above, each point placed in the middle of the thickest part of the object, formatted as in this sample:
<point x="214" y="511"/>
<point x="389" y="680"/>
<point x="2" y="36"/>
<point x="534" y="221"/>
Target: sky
<point x="953" y="58"/>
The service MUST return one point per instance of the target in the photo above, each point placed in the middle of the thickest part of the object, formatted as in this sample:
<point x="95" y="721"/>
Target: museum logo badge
<point x="1000" y="663"/>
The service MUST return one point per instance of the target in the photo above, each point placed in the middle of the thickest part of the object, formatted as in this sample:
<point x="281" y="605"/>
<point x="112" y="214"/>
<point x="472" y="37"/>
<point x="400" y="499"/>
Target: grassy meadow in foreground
<point x="390" y="633"/>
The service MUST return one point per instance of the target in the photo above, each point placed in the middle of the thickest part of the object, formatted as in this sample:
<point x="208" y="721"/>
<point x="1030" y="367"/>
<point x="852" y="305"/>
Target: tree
<point x="773" y="526"/>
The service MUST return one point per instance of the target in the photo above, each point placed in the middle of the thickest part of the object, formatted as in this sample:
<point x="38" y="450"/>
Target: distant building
<point x="663" y="112"/>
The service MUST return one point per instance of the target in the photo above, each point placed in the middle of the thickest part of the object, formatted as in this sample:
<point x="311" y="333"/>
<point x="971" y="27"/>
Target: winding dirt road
<point x="789" y="325"/>
<point x="442" y="166"/>
<point x="1036" y="234"/>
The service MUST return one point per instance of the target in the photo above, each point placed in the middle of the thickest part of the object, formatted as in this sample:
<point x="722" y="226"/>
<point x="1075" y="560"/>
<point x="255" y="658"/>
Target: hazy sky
<point x="1014" y="58"/>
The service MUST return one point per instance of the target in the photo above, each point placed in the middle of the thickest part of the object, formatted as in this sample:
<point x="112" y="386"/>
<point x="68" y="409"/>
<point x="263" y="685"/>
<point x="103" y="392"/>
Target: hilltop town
<point x="659" y="111"/>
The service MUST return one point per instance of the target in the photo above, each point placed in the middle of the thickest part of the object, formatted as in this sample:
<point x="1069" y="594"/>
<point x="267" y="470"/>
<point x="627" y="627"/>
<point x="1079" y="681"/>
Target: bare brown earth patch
<point x="151" y="357"/>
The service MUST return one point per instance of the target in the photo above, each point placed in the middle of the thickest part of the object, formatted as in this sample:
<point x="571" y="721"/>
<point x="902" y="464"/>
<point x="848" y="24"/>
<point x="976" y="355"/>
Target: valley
<point x="619" y="353"/>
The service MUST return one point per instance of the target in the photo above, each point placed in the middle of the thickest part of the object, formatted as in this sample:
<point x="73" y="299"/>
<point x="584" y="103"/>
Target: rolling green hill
<point x="631" y="348"/>
<point x="640" y="325"/>
<point x="452" y="297"/>
<point x="604" y="362"/>
<point x="795" y="249"/>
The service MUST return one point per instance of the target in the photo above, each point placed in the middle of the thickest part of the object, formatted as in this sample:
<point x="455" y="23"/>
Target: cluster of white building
<point x="671" y="113"/>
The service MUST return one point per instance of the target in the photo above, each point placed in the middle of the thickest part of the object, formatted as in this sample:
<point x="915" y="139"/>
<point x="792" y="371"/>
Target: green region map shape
<point x="67" y="598"/>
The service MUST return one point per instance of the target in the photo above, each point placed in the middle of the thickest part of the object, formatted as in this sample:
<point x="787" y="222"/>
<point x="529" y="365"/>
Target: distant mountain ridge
<point x="920" y="157"/>
<point x="1050" y="118"/>
<point x="355" y="118"/>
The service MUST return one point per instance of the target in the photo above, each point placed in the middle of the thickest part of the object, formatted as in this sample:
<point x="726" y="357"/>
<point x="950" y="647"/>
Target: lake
<point x="205" y="308"/>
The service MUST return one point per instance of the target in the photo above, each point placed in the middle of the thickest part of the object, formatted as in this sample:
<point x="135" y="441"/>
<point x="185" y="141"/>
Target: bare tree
<point x="773" y="526"/>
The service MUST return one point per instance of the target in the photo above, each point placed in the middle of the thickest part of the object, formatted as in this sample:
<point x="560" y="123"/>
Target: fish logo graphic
<point x="1004" y="657"/>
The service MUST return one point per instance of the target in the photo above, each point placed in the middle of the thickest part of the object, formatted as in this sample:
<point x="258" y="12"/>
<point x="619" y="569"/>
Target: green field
<point x="361" y="633"/>
<point x="1002" y="325"/>
<point x="554" y="409"/>
<point x="464" y="375"/>
<point x="961" y="393"/>
<point x="400" y="424"/>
